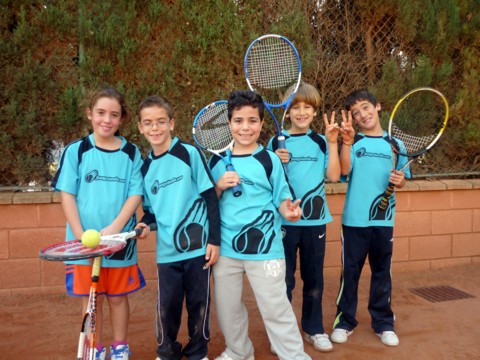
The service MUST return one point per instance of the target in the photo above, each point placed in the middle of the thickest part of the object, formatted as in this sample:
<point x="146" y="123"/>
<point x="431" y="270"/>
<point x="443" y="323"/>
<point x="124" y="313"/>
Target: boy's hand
<point x="331" y="128"/>
<point x="346" y="130"/>
<point x="228" y="180"/>
<point x="283" y="154"/>
<point x="145" y="232"/>
<point x="397" y="178"/>
<point x="211" y="256"/>
<point x="290" y="210"/>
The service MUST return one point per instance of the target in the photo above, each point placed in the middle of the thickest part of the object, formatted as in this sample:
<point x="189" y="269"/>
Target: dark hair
<point x="241" y="98"/>
<point x="357" y="95"/>
<point x="112" y="93"/>
<point x="156" y="101"/>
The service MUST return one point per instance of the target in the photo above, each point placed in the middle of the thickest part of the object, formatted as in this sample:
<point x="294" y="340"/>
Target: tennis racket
<point x="75" y="250"/>
<point x="211" y="132"/>
<point x="418" y="120"/>
<point x="88" y="334"/>
<point x="273" y="69"/>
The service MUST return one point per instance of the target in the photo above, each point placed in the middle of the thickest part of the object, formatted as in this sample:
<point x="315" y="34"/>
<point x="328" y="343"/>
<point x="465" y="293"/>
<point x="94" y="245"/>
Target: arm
<point x="228" y="180"/>
<point x="348" y="136"/>
<point x="128" y="209"/>
<point x="331" y="134"/>
<point x="69" y="205"/>
<point x="213" y="215"/>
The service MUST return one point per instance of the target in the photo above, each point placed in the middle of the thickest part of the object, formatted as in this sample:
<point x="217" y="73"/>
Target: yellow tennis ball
<point x="91" y="238"/>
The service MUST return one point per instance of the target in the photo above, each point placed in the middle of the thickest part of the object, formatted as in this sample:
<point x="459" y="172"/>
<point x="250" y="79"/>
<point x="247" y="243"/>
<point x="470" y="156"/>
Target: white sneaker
<point x="224" y="356"/>
<point x="320" y="342"/>
<point x="340" y="335"/>
<point x="121" y="352"/>
<point x="100" y="355"/>
<point x="389" y="338"/>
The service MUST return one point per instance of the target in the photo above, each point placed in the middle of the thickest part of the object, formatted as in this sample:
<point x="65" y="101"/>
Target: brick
<point x="18" y="216"/>
<point x="148" y="265"/>
<point x="429" y="185"/>
<point x="465" y="199"/>
<point x="475" y="183"/>
<point x="337" y="188"/>
<point x="334" y="229"/>
<point x="430" y="200"/>
<point x="333" y="254"/>
<point x="451" y="222"/>
<point x="466" y="244"/>
<point x="148" y="244"/>
<point x="6" y="198"/>
<point x="19" y="273"/>
<point x="335" y="204"/>
<point x="476" y="220"/>
<point x="410" y="186"/>
<point x="410" y="266"/>
<point x="455" y="184"/>
<point x="401" y="249"/>
<point x="4" y="252"/>
<point x="334" y="272"/>
<point x="475" y="260"/>
<point x="52" y="273"/>
<point x="403" y="201"/>
<point x="444" y="263"/>
<point x="430" y="247"/>
<point x="51" y="215"/>
<point x="26" y="243"/>
<point x="412" y="223"/>
<point x="32" y="198"/>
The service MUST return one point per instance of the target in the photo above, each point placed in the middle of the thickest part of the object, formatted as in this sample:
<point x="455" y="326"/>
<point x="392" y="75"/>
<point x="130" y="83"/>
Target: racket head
<point x="75" y="250"/>
<point x="211" y="128"/>
<point x="273" y="69"/>
<point x="418" y="120"/>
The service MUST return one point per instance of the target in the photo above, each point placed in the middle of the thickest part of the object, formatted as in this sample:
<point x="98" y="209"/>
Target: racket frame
<point x="396" y="150"/>
<point x="286" y="103"/>
<point x="227" y="150"/>
<point x="75" y="250"/>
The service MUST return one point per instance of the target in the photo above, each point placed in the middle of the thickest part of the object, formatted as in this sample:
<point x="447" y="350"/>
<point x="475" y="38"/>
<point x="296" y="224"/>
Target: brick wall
<point x="437" y="225"/>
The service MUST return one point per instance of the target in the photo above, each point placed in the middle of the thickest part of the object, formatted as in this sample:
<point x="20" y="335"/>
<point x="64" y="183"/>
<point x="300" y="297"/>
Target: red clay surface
<point x="46" y="326"/>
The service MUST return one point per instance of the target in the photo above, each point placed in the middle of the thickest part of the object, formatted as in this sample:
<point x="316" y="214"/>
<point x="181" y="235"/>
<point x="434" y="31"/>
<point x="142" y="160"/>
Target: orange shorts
<point x="112" y="281"/>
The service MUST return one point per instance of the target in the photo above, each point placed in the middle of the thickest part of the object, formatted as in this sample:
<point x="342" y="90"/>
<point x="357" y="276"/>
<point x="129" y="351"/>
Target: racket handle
<point x="237" y="190"/>
<point x="386" y="196"/>
<point x="281" y="142"/>
<point x="152" y="226"/>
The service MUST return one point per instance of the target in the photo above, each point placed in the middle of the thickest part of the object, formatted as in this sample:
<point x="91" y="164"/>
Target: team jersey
<point x="251" y="223"/>
<point x="371" y="164"/>
<point x="306" y="175"/>
<point x="101" y="181"/>
<point x="173" y="182"/>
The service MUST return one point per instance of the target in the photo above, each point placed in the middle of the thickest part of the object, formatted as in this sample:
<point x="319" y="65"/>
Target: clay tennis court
<point x="46" y="326"/>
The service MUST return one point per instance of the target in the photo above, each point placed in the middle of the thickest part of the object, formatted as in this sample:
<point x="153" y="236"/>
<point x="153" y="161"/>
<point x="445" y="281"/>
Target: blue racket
<point x="273" y="69"/>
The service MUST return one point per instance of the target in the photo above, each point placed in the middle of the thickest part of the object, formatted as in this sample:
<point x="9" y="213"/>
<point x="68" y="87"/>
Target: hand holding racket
<point x="211" y="132"/>
<point x="418" y="121"/>
<point x="273" y="69"/>
<point x="75" y="250"/>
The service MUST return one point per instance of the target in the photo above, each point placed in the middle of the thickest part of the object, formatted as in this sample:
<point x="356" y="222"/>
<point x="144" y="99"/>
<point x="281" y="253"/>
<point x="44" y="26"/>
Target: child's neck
<point x="239" y="149"/>
<point x="107" y="143"/>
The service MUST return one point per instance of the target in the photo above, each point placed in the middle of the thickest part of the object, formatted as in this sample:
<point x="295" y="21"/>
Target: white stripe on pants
<point x="267" y="279"/>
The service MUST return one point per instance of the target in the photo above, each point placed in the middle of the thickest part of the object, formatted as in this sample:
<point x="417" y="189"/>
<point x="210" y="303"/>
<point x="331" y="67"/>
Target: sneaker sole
<point x="341" y="341"/>
<point x="307" y="339"/>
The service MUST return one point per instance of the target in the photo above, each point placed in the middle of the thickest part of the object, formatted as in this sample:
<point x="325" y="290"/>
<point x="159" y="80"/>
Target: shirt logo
<point x="363" y="152"/>
<point x="157" y="185"/>
<point x="94" y="176"/>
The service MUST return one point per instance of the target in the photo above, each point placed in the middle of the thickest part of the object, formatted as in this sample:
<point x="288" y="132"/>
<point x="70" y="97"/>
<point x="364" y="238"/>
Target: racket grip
<point x="281" y="142"/>
<point x="237" y="190"/>
<point x="152" y="226"/>
<point x="386" y="196"/>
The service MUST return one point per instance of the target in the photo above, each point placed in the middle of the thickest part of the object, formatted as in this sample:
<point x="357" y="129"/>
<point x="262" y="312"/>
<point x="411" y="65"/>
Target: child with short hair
<point x="101" y="188"/>
<point x="366" y="158"/>
<point x="252" y="238"/>
<point x="308" y="158"/>
<point x="180" y="197"/>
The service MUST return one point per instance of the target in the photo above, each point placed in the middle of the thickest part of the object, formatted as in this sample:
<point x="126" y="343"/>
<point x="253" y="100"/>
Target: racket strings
<point x="272" y="68"/>
<point x="412" y="143"/>
<point x="212" y="129"/>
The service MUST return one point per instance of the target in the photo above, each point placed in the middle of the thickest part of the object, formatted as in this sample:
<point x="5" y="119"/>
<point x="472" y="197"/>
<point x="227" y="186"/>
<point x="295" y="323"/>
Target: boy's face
<point x="301" y="115"/>
<point x="365" y="115"/>
<point x="246" y="125"/>
<point x="156" y="126"/>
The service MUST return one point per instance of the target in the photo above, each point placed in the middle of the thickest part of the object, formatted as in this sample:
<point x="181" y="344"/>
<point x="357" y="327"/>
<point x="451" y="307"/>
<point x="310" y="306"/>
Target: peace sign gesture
<point x="331" y="128"/>
<point x="346" y="130"/>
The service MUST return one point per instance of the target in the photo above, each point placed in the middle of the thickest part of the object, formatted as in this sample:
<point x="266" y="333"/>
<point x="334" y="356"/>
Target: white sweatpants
<point x="267" y="279"/>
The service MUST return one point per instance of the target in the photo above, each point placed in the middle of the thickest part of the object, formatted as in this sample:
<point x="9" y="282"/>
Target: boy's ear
<point x="88" y="111"/>
<point x="172" y="124"/>
<point x="378" y="107"/>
